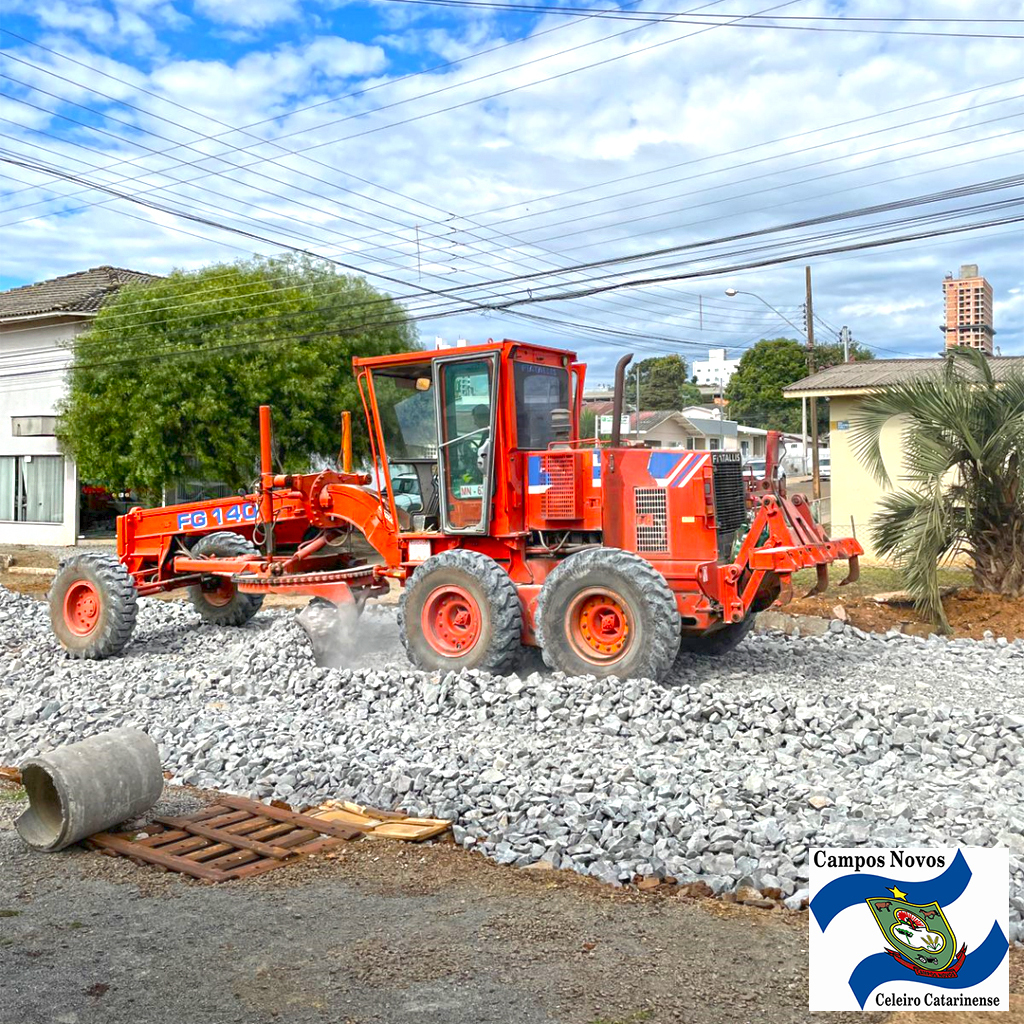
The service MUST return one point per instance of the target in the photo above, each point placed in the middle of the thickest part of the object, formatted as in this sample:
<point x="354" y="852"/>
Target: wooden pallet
<point x="234" y="838"/>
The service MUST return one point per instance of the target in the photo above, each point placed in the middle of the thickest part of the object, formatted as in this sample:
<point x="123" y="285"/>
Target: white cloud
<point x="248" y="13"/>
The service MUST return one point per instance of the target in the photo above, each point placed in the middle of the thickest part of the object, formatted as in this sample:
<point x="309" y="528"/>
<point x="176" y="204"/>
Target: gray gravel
<point x="727" y="774"/>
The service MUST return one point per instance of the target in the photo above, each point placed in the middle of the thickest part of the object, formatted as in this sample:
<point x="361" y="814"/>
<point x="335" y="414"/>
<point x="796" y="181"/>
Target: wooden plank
<point x="301" y="820"/>
<point x="411" y="829"/>
<point x="293" y="838"/>
<point x="261" y="866"/>
<point x="319" y="846"/>
<point x="160" y="838"/>
<point x="205" y="853"/>
<point x="181" y="846"/>
<point x="231" y="860"/>
<point x="209" y="812"/>
<point x="221" y="836"/>
<point x="151" y="856"/>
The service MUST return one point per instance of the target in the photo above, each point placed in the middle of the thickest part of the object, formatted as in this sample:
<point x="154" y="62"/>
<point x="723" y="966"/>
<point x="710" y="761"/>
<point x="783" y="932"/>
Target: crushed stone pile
<point x="728" y="773"/>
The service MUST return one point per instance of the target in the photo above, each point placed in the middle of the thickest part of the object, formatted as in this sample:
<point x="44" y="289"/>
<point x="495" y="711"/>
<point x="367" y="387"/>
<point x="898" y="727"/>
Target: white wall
<point x="30" y="345"/>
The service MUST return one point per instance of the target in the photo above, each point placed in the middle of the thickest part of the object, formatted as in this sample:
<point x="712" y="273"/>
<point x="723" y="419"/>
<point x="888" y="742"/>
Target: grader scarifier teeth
<point x="854" y="574"/>
<point x="821" y="583"/>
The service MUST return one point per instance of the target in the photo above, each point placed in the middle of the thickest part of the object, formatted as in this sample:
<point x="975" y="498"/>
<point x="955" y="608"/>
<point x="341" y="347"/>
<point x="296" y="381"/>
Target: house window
<point x="716" y="443"/>
<point x="33" y="426"/>
<point x="32" y="488"/>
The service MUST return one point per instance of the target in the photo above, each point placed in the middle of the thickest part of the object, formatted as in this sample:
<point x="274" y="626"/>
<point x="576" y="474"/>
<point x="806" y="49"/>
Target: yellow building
<point x="855" y="493"/>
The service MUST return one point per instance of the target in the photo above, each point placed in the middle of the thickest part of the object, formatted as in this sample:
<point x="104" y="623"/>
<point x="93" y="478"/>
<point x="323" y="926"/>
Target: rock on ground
<point x="728" y="773"/>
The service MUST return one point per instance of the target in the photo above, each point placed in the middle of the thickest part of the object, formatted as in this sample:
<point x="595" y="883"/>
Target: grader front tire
<point x="608" y="612"/>
<point x="93" y="604"/>
<point x="218" y="600"/>
<point x="461" y="610"/>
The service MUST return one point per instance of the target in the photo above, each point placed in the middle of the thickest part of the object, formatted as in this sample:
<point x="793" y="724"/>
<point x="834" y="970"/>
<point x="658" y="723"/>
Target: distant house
<point x="39" y="487"/>
<point x="670" y="429"/>
<point x="855" y="492"/>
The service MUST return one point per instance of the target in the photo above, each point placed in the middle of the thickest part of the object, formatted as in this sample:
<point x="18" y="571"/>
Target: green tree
<point x="832" y="354"/>
<point x="963" y="444"/>
<point x="663" y="383"/>
<point x="754" y="391"/>
<point x="588" y="423"/>
<point x="169" y="378"/>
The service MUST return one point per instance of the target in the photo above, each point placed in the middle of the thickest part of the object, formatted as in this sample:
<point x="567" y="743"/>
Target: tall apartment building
<point x="968" y="300"/>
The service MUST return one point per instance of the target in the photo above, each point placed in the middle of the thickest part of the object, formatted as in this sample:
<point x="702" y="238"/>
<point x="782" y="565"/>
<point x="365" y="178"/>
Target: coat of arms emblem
<point x="919" y="934"/>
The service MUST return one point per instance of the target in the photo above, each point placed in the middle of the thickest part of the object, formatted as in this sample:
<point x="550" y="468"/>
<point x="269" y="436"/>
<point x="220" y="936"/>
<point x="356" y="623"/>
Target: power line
<point x="166" y="188"/>
<point x="863" y="211"/>
<point x="304" y="172"/>
<point x="530" y="299"/>
<point x="521" y="278"/>
<point x="634" y="205"/>
<point x="761" y="23"/>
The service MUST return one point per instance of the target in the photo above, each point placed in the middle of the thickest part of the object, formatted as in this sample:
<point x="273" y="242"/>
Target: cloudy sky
<point x="502" y="157"/>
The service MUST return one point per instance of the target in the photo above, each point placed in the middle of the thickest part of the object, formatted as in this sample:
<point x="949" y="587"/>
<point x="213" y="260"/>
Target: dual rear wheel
<point x="600" y="612"/>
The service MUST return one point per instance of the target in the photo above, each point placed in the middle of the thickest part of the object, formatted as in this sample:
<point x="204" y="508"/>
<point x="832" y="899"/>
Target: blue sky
<point x="681" y="134"/>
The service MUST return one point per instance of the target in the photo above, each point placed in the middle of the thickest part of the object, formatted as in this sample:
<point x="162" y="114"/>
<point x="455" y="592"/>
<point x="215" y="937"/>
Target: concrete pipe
<point x="86" y="787"/>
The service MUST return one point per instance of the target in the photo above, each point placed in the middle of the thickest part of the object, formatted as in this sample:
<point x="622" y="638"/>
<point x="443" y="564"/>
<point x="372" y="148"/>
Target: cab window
<point x="467" y="424"/>
<point x="543" y="415"/>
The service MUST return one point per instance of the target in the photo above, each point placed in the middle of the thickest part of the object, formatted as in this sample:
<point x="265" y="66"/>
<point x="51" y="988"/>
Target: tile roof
<point x="874" y="373"/>
<point x="83" y="292"/>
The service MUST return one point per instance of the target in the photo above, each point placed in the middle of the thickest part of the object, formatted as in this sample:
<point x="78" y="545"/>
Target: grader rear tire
<point x="218" y="600"/>
<point x="93" y="604"/>
<point x="461" y="610"/>
<point x="608" y="612"/>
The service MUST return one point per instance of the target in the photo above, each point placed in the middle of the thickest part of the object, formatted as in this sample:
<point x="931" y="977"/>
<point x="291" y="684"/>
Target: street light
<point x="732" y="293"/>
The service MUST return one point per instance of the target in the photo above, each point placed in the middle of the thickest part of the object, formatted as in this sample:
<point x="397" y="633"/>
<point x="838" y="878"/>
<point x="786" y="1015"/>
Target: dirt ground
<point x="969" y="611"/>
<point x="388" y="932"/>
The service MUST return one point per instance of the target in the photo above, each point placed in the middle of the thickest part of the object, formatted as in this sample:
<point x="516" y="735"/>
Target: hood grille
<point x="730" y="492"/>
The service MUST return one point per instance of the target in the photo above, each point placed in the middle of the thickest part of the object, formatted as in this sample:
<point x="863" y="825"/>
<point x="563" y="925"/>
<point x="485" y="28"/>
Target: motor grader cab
<point x="501" y="524"/>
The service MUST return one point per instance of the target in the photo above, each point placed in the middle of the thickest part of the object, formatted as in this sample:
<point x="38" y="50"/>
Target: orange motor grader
<point x="503" y="526"/>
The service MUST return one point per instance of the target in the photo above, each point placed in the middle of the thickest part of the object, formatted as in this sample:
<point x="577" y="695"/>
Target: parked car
<point x="757" y="468"/>
<point x="825" y="469"/>
<point x="407" y="493"/>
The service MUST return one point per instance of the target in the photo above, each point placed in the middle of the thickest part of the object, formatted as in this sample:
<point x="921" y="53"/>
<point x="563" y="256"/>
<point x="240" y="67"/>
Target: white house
<point x="39" y="487"/>
<point x="716" y="370"/>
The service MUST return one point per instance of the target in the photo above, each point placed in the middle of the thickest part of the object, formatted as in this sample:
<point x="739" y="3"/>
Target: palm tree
<point x="963" y="445"/>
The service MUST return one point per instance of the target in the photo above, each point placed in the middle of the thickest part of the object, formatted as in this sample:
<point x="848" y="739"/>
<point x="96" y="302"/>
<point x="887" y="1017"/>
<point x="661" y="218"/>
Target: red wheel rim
<point x="598" y="626"/>
<point x="221" y="593"/>
<point x="451" y="621"/>
<point x="81" y="607"/>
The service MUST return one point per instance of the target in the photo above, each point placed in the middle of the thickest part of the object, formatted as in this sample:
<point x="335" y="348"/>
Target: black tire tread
<point x="242" y="607"/>
<point x="721" y="641"/>
<point x="661" y="641"/>
<point x="120" y="600"/>
<point x="504" y="607"/>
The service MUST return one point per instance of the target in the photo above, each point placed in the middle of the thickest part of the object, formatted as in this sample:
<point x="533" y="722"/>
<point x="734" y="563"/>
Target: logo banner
<point x="909" y="928"/>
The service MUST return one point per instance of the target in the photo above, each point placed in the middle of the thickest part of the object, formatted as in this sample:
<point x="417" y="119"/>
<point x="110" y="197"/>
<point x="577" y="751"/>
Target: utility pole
<point x="814" y="401"/>
<point x="844" y="337"/>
